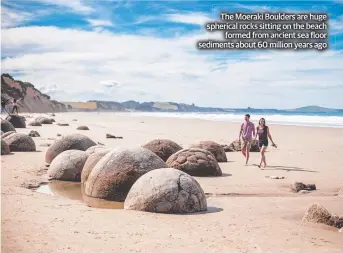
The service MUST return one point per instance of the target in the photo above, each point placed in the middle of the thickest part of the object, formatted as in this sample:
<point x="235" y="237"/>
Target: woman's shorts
<point x="263" y="143"/>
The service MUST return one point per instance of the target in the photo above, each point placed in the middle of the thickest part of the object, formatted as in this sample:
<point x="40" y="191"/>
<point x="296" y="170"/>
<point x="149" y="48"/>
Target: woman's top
<point x="262" y="133"/>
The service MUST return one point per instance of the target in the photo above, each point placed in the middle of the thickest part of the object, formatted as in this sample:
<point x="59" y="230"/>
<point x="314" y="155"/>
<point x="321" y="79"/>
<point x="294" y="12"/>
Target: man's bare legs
<point x="263" y="157"/>
<point x="248" y="145"/>
<point x="244" y="149"/>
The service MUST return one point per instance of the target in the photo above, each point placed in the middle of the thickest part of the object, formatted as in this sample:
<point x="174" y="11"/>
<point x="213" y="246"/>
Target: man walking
<point x="247" y="133"/>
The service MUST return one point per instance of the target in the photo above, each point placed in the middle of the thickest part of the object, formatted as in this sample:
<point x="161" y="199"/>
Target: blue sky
<point x="77" y="50"/>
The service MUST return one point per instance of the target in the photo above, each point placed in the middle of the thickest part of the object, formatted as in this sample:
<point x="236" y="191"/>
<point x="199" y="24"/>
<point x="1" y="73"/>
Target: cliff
<point x="32" y="100"/>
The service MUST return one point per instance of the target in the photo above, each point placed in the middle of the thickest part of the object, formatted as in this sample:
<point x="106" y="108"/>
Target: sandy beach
<point x="247" y="210"/>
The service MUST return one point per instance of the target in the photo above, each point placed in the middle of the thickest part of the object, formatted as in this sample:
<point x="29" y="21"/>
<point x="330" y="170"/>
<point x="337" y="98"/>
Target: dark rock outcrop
<point x="16" y="120"/>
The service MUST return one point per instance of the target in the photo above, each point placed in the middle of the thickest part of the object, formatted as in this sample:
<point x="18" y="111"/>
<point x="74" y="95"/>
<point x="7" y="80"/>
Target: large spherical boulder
<point x="44" y="120"/>
<point x="195" y="162"/>
<point x="5" y="149"/>
<point x="115" y="173"/>
<point x="92" y="160"/>
<point x="67" y="142"/>
<point x="166" y="191"/>
<point x="163" y="148"/>
<point x="95" y="149"/>
<point x="17" y="121"/>
<point x="68" y="165"/>
<point x="19" y="142"/>
<point x="216" y="149"/>
<point x="6" y="126"/>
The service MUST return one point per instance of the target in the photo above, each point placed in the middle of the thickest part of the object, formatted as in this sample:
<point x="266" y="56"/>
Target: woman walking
<point x="263" y="133"/>
<point x="15" y="105"/>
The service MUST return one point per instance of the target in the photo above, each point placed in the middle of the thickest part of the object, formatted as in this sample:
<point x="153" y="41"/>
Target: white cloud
<point x="75" y="5"/>
<point x="98" y="22"/>
<point x="168" y="69"/>
<point x="12" y="18"/>
<point x="194" y="18"/>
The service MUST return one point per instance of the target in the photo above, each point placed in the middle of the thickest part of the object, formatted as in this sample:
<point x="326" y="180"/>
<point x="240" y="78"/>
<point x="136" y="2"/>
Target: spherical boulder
<point x="92" y="160"/>
<point x="4" y="135"/>
<point x="5" y="149"/>
<point x="67" y="142"/>
<point x="6" y="126"/>
<point x="82" y="128"/>
<point x="44" y="120"/>
<point x="216" y="149"/>
<point x="166" y="190"/>
<point x="195" y="162"/>
<point x="115" y="173"/>
<point x="68" y="165"/>
<point x="163" y="148"/>
<point x="34" y="123"/>
<point x="17" y="121"/>
<point x="95" y="149"/>
<point x="19" y="142"/>
<point x="236" y="145"/>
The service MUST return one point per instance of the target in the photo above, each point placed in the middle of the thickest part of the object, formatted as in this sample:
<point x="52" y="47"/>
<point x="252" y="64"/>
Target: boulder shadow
<point x="210" y="209"/>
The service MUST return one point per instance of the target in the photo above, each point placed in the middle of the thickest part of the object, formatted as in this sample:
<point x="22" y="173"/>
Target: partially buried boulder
<point x="195" y="162"/>
<point x="67" y="142"/>
<point x="236" y="145"/>
<point x="68" y="165"/>
<point x="216" y="149"/>
<point x="63" y="124"/>
<point x="34" y="123"/>
<point x="115" y="173"/>
<point x="82" y="128"/>
<point x="163" y="148"/>
<point x="17" y="121"/>
<point x="5" y="149"/>
<point x="92" y="160"/>
<point x="299" y="186"/>
<point x="19" y="142"/>
<point x="166" y="191"/>
<point x="6" y="126"/>
<point x="34" y="134"/>
<point x="44" y="120"/>
<point x="316" y="213"/>
<point x="94" y="149"/>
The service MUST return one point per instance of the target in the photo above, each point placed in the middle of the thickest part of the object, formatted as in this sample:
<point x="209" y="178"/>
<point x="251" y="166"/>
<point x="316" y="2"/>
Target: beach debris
<point x="7" y="126"/>
<point x="63" y="124"/>
<point x="227" y="148"/>
<point x="34" y="123"/>
<point x="340" y="193"/>
<point x="166" y="190"/>
<point x="66" y="142"/>
<point x="5" y="148"/>
<point x="91" y="161"/>
<point x="68" y="165"/>
<point x="276" y="177"/>
<point x="82" y="128"/>
<point x="94" y="149"/>
<point x="316" y="213"/>
<point x="34" y="133"/>
<point x="17" y="121"/>
<point x="110" y="136"/>
<point x="298" y="186"/>
<point x="113" y="176"/>
<point x="44" y="120"/>
<point x="195" y="162"/>
<point x="216" y="149"/>
<point x="4" y="135"/>
<point x="236" y="145"/>
<point x="45" y="145"/>
<point x="162" y="147"/>
<point x="19" y="142"/>
<point x="58" y="135"/>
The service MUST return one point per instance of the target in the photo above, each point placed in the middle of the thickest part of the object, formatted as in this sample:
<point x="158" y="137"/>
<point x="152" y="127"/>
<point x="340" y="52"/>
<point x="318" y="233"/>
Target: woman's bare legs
<point x="263" y="157"/>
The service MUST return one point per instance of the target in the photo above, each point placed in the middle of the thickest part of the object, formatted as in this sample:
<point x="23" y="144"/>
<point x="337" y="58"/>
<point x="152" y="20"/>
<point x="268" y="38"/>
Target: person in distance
<point x="247" y="132"/>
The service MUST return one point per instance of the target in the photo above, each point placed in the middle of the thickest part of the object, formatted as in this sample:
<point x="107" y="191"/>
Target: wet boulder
<point x="216" y="149"/>
<point x="91" y="161"/>
<point x="34" y="134"/>
<point x="163" y="148"/>
<point x="68" y="165"/>
<point x="19" y="142"/>
<point x="166" y="191"/>
<point x="17" y="121"/>
<point x="82" y="128"/>
<point x="67" y="142"/>
<point x="5" y="148"/>
<point x="195" y="162"/>
<point x="115" y="173"/>
<point x="6" y="126"/>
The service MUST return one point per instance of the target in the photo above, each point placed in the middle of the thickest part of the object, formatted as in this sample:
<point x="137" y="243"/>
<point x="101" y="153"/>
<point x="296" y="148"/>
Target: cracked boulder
<point x="19" y="142"/>
<point x="163" y="148"/>
<point x="166" y="191"/>
<point x="68" y="165"/>
<point x="17" y="121"/>
<point x="115" y="173"/>
<point x="44" y="120"/>
<point x="7" y="126"/>
<point x="68" y="142"/>
<point x="236" y="146"/>
<point x="91" y="161"/>
<point x="316" y="213"/>
<point x="195" y="162"/>
<point x="94" y="149"/>
<point x="216" y="149"/>
<point x="5" y="149"/>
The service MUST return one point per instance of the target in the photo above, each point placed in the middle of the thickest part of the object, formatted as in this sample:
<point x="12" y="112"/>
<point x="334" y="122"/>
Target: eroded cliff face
<point x="32" y="100"/>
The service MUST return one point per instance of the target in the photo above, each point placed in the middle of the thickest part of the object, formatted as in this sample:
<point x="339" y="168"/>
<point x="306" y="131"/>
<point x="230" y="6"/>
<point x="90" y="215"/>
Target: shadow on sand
<point x="286" y="168"/>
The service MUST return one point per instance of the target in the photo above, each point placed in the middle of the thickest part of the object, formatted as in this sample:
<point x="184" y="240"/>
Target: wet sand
<point x="247" y="210"/>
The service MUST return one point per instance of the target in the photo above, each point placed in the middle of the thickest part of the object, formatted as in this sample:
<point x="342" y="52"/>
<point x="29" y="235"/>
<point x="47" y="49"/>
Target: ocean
<point x="333" y="120"/>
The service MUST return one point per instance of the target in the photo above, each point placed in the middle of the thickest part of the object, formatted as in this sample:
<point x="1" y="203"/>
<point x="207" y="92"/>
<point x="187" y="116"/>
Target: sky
<point x="113" y="50"/>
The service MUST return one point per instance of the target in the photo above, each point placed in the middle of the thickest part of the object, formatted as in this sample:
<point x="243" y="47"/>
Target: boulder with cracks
<point x="216" y="149"/>
<point x="162" y="147"/>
